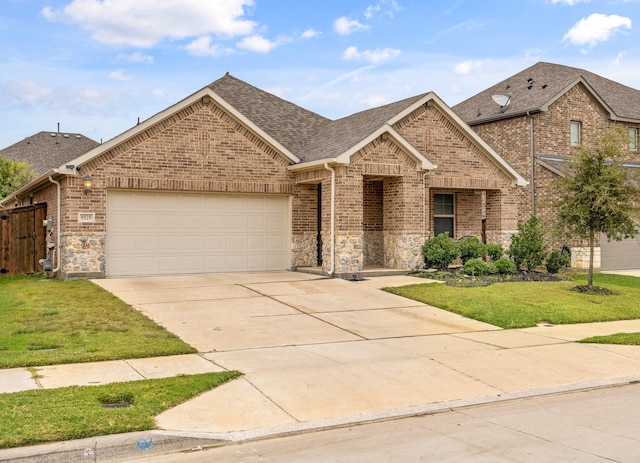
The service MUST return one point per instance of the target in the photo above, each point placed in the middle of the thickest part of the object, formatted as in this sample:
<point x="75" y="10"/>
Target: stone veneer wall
<point x="304" y="249"/>
<point x="580" y="257"/>
<point x="83" y="256"/>
<point x="403" y="250"/>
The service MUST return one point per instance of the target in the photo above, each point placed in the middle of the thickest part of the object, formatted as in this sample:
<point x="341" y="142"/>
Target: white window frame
<point x="445" y="216"/>
<point x="575" y="126"/>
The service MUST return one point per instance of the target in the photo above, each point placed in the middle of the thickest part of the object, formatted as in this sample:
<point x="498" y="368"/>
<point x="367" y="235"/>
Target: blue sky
<point x="96" y="66"/>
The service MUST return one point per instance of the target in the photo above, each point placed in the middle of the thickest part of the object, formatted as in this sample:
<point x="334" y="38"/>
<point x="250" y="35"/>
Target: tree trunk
<point x="591" y="248"/>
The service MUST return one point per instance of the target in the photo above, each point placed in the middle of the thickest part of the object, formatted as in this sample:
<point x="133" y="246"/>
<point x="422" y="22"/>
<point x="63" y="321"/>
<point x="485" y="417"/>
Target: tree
<point x="13" y="175"/>
<point x="528" y="246"/>
<point x="599" y="195"/>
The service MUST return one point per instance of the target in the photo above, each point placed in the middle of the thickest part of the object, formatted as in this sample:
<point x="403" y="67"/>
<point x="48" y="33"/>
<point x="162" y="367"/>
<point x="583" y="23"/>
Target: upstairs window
<point x="575" y="133"/>
<point x="633" y="139"/>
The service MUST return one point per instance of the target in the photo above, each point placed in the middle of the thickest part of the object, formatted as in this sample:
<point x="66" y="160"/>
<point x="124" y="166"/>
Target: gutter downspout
<point x="58" y="225"/>
<point x="333" y="218"/>
<point x="533" y="165"/>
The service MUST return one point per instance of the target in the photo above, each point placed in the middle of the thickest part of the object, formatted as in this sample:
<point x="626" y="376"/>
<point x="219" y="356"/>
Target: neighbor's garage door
<point x="153" y="233"/>
<point x="619" y="255"/>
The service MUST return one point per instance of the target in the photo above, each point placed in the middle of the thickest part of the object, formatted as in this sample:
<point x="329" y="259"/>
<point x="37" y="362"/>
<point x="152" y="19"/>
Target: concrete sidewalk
<point x="319" y="352"/>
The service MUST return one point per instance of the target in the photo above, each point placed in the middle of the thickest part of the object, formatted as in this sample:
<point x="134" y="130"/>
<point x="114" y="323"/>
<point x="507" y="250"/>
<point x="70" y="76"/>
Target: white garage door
<point x="619" y="255"/>
<point x="154" y="233"/>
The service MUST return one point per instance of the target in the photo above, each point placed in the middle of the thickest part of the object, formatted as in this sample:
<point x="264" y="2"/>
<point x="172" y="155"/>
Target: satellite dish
<point x="502" y="101"/>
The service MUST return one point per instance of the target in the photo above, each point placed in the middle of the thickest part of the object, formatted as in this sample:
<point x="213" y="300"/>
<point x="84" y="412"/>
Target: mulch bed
<point x="455" y="277"/>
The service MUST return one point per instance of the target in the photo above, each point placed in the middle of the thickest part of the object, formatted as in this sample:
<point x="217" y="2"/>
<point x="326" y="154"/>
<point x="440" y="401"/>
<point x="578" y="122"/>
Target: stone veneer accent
<point x="580" y="257"/>
<point x="304" y="250"/>
<point x="83" y="256"/>
<point x="403" y="250"/>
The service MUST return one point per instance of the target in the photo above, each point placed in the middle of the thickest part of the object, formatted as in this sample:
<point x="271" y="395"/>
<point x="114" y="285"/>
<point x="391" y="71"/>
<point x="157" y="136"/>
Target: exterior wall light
<point x="87" y="182"/>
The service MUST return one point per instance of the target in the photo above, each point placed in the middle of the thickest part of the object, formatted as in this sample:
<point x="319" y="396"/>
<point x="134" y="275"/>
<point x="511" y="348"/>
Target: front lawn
<point x="525" y="304"/>
<point x="47" y="321"/>
<point x="50" y="415"/>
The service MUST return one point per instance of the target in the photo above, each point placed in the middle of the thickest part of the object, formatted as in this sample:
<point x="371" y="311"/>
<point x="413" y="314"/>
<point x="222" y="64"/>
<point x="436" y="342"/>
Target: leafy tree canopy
<point x="13" y="175"/>
<point x="600" y="195"/>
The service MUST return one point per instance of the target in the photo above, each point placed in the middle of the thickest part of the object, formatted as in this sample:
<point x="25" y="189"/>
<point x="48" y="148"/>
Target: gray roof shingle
<point x="289" y="124"/>
<point x="536" y="86"/>
<point x="337" y="137"/>
<point x="48" y="150"/>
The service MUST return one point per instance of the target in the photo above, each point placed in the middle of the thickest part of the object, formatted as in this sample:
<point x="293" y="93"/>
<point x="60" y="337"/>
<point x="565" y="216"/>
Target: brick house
<point x="538" y="119"/>
<point x="233" y="178"/>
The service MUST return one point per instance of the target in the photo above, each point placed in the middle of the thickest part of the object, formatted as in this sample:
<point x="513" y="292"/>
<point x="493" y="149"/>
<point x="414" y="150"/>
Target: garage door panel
<point x="170" y="233"/>
<point x="619" y="255"/>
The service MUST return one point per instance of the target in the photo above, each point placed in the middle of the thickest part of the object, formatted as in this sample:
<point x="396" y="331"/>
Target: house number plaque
<point x="86" y="217"/>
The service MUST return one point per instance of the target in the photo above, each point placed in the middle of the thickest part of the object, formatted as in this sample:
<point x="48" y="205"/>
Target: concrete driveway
<point x="315" y="350"/>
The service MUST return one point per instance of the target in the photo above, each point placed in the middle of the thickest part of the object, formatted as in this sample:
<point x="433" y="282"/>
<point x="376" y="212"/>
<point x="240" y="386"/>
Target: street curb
<point x="113" y="448"/>
<point x="124" y="447"/>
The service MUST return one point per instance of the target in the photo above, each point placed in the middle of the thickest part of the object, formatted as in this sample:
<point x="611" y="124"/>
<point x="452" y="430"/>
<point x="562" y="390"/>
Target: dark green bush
<point x="495" y="251"/>
<point x="528" y="246"/>
<point x="440" y="251"/>
<point x="471" y="248"/>
<point x="505" y="266"/>
<point x="556" y="260"/>
<point x="475" y="267"/>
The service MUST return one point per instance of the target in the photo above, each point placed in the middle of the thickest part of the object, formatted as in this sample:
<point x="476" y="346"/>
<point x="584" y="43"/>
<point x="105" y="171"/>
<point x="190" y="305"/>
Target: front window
<point x="443" y="213"/>
<point x="633" y="139"/>
<point x="575" y="133"/>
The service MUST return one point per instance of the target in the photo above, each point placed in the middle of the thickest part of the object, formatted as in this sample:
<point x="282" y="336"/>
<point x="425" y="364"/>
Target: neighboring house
<point x="47" y="150"/>
<point x="538" y="119"/>
<point x="233" y="178"/>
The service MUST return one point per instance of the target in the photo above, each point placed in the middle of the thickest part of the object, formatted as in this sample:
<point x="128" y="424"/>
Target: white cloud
<point x="119" y="74"/>
<point x="136" y="57"/>
<point x="372" y="56"/>
<point x="387" y="7"/>
<point x="596" y="28"/>
<point x="569" y="2"/>
<point x="143" y="23"/>
<point x="259" y="44"/>
<point x="346" y="26"/>
<point x="203" y="46"/>
<point x="310" y="34"/>
<point x="26" y="91"/>
<point x="467" y="67"/>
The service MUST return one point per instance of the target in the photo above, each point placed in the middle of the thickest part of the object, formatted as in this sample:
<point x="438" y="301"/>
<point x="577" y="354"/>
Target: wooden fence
<point x="23" y="239"/>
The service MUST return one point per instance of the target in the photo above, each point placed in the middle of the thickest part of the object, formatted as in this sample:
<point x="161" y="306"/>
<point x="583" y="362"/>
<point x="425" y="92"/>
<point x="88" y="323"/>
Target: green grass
<point x="525" y="304"/>
<point x="629" y="339"/>
<point x="48" y="321"/>
<point x="49" y="415"/>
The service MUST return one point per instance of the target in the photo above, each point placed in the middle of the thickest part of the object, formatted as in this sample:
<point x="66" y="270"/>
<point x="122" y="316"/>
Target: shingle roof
<point x="47" y="150"/>
<point x="289" y="124"/>
<point x="538" y="85"/>
<point x="337" y="137"/>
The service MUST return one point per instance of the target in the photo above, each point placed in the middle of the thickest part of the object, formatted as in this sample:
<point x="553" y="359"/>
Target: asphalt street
<point x="600" y="425"/>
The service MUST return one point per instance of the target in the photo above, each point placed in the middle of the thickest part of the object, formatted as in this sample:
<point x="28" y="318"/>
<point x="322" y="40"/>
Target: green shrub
<point x="495" y="251"/>
<point x="471" y="248"/>
<point x="475" y="267"/>
<point x="528" y="246"/>
<point x="440" y="251"/>
<point x="491" y="268"/>
<point x="556" y="260"/>
<point x="505" y="266"/>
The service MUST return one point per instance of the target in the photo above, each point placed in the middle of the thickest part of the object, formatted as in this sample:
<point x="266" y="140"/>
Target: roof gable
<point x="536" y="87"/>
